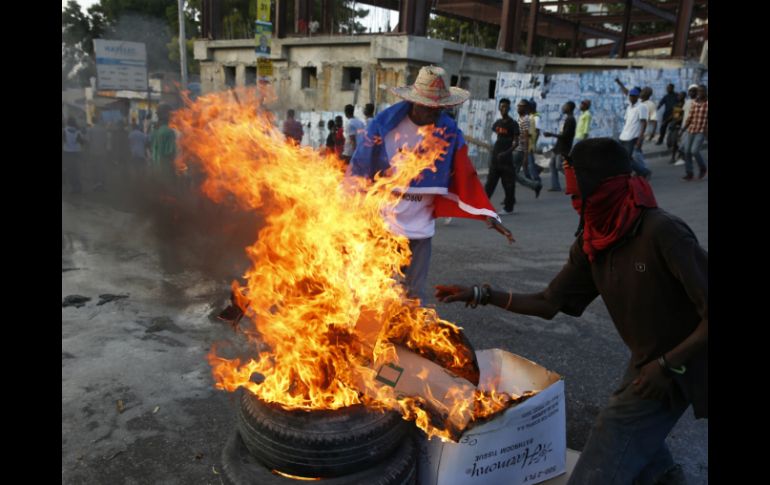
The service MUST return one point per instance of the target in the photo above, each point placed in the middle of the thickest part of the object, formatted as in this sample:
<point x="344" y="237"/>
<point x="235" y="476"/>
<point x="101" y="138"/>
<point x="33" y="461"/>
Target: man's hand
<point x="493" y="224"/>
<point x="448" y="294"/>
<point x="639" y="143"/>
<point x="652" y="383"/>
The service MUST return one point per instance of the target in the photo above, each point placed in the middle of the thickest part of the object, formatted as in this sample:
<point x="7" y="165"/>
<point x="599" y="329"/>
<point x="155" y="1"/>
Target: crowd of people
<point x="683" y="127"/>
<point x="343" y="137"/>
<point x="144" y="146"/>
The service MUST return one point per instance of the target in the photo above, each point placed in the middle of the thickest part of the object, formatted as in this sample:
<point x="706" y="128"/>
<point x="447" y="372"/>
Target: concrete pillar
<point x="211" y="19"/>
<point x="510" y="26"/>
<point x="279" y="29"/>
<point x="240" y="75"/>
<point x="622" y="52"/>
<point x="327" y="24"/>
<point x="532" y="28"/>
<point x="682" y="30"/>
<point x="421" y="16"/>
<point x="576" y="48"/>
<point x="302" y="13"/>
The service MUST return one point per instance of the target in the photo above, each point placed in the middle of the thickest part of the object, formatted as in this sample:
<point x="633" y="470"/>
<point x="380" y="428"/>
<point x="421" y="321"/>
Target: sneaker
<point x="688" y="177"/>
<point x="679" y="163"/>
<point x="673" y="476"/>
<point x="554" y="190"/>
<point x="505" y="213"/>
<point x="447" y="221"/>
<point x="702" y="174"/>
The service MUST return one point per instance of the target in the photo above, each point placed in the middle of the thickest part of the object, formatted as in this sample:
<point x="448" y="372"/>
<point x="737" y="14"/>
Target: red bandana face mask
<point x="572" y="186"/>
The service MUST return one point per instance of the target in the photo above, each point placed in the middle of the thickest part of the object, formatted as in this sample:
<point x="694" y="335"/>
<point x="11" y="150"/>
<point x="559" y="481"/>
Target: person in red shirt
<point x="339" y="136"/>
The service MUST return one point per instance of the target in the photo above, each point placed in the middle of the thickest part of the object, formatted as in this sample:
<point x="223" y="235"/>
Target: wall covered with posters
<point x="550" y="92"/>
<point x="476" y="116"/>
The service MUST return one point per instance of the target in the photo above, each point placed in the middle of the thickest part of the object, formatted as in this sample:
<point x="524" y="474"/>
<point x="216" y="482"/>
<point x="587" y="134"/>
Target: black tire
<point x="400" y="468"/>
<point x="319" y="443"/>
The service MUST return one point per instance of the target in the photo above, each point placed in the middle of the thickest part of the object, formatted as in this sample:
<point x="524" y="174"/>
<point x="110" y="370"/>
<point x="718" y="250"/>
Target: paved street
<point x="138" y="402"/>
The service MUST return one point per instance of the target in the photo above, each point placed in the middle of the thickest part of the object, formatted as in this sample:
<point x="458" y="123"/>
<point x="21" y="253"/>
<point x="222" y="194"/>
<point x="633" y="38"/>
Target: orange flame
<point x="325" y="266"/>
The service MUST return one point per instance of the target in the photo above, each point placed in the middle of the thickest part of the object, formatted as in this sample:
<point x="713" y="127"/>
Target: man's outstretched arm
<point x="535" y="304"/>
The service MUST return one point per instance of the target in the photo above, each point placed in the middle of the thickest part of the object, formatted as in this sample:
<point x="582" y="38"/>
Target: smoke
<point x="186" y="229"/>
<point x="153" y="32"/>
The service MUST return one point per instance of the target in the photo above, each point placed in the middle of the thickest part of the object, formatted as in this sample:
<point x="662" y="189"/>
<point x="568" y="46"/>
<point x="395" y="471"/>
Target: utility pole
<point x="182" y="45"/>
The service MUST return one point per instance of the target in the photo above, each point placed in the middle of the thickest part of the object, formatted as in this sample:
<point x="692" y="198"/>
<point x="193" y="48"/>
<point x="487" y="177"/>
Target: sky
<point x="378" y="17"/>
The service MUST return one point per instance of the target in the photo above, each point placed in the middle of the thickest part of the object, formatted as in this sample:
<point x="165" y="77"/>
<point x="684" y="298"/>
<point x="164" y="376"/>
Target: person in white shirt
<point x="652" y="112"/>
<point x="355" y="132"/>
<point x="632" y="135"/>
<point x="450" y="188"/>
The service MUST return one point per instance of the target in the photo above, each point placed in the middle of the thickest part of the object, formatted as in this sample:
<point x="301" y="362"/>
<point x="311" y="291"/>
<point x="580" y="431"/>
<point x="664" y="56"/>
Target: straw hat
<point x="430" y="89"/>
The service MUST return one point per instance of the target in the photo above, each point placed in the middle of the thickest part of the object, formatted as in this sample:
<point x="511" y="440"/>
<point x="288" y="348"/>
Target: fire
<point x="322" y="290"/>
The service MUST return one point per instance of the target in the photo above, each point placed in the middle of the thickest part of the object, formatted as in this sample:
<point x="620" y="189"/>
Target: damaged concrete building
<point x="318" y="69"/>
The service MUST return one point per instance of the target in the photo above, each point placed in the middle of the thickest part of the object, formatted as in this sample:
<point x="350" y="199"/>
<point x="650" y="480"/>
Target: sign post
<point x="120" y="65"/>
<point x="263" y="35"/>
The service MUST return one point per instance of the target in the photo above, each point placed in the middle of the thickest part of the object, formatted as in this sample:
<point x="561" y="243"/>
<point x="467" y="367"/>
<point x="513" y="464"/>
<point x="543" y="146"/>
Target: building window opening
<point x="350" y="75"/>
<point x="309" y="78"/>
<point x="492" y="87"/>
<point x="251" y="75"/>
<point x="230" y="76"/>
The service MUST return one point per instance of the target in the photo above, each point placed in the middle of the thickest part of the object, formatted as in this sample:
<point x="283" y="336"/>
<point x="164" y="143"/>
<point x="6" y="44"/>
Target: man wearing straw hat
<point x="452" y="190"/>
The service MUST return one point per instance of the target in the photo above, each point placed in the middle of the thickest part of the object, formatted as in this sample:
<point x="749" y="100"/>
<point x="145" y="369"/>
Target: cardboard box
<point x="526" y="444"/>
<point x="406" y="373"/>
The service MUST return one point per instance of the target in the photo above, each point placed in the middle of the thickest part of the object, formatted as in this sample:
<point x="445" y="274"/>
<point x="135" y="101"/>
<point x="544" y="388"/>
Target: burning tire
<point x="397" y="469"/>
<point x="320" y="443"/>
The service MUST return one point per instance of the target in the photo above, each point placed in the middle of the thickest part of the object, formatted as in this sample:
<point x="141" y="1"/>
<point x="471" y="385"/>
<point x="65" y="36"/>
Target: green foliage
<point x="463" y="32"/>
<point x="173" y="54"/>
<point x="346" y="18"/>
<point x="152" y="22"/>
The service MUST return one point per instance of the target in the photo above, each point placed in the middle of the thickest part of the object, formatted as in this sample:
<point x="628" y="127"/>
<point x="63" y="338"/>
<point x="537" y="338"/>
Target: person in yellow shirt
<point x="584" y="122"/>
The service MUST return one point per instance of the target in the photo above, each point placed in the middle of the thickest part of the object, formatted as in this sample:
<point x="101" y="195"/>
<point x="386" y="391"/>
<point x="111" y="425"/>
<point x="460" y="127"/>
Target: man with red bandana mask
<point x="660" y="311"/>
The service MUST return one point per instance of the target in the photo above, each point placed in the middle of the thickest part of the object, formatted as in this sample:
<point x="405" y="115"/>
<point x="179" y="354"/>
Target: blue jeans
<point x="519" y="158"/>
<point x="555" y="166"/>
<point x="534" y="170"/>
<point x="638" y="164"/>
<point x="627" y="443"/>
<point x="417" y="271"/>
<point x="692" y="142"/>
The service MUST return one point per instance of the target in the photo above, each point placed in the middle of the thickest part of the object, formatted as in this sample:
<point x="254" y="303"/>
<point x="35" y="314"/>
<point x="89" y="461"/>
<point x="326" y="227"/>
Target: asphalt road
<point x="138" y="403"/>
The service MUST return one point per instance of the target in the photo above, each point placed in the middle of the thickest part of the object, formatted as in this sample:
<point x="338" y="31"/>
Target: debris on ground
<point x="74" y="300"/>
<point x="107" y="297"/>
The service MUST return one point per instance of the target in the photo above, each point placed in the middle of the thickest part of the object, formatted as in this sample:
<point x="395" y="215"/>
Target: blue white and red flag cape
<point x="455" y="181"/>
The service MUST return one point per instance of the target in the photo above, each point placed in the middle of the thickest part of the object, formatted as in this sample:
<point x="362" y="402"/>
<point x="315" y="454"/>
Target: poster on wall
<point x="263" y="35"/>
<point x="608" y="103"/>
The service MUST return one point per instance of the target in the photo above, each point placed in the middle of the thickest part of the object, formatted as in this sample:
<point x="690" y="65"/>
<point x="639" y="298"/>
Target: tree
<point x="151" y="22"/>
<point x="346" y="17"/>
<point x="78" y="32"/>
<point x="475" y="34"/>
